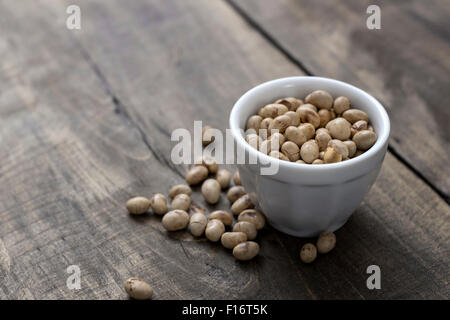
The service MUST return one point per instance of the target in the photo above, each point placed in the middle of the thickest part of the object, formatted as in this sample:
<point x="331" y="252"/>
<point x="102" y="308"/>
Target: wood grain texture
<point x="405" y="64"/>
<point x="86" y="118"/>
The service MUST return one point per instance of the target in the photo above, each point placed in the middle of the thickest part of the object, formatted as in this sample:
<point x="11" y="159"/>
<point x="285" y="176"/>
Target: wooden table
<point x="86" y="117"/>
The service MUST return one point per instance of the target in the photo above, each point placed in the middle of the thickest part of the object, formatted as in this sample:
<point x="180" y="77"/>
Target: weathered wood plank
<point x="86" y="122"/>
<point x="405" y="64"/>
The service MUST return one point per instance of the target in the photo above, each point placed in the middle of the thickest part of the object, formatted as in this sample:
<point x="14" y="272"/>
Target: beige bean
<point x="265" y="146"/>
<point x="331" y="156"/>
<point x="247" y="227"/>
<point x="197" y="224"/>
<point x="253" y="216"/>
<point x="232" y="239"/>
<point x="279" y="124"/>
<point x="295" y="118"/>
<point x="179" y="189"/>
<point x="281" y="109"/>
<point x="309" y="151"/>
<point x="211" y="190"/>
<point x="159" y="203"/>
<point x="254" y="140"/>
<point x="351" y="146"/>
<point x="291" y="150"/>
<point x="276" y="140"/>
<point x="266" y="123"/>
<point x="322" y="139"/>
<point x="242" y="204"/>
<point x="181" y="202"/>
<point x="138" y="289"/>
<point x="326" y="242"/>
<point x="214" y="230"/>
<point x="325" y="117"/>
<point x="320" y="98"/>
<point x="268" y="111"/>
<point x="308" y="116"/>
<point x="321" y="155"/>
<point x="254" y="122"/>
<point x="209" y="162"/>
<point x="341" y="104"/>
<point x="339" y="128"/>
<point x="207" y="135"/>
<point x="278" y="155"/>
<point x="272" y="110"/>
<point x="339" y="147"/>
<point x="264" y="134"/>
<point x="237" y="178"/>
<point x="318" y="161"/>
<point x="354" y="115"/>
<point x="175" y="220"/>
<point x="358" y="126"/>
<point x="246" y="250"/>
<point x="309" y="106"/>
<point x="300" y="161"/>
<point x="308" y="130"/>
<point x="308" y="253"/>
<point x="235" y="193"/>
<point x="322" y="130"/>
<point x="223" y="176"/>
<point x="138" y="205"/>
<point x="196" y="174"/>
<point x="365" y="139"/>
<point x="352" y="132"/>
<point x="250" y="131"/>
<point x="290" y="102"/>
<point x="225" y="217"/>
<point x="295" y="135"/>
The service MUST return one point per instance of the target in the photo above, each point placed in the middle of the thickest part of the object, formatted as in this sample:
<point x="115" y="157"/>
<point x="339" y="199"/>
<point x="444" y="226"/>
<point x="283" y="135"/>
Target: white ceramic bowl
<point x="304" y="200"/>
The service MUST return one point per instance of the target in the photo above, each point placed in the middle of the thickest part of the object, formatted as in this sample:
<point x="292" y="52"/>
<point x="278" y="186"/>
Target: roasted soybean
<point x="211" y="190"/>
<point x="247" y="227"/>
<point x="197" y="224"/>
<point x="138" y="289"/>
<point x="225" y="217"/>
<point x="138" y="205"/>
<point x="175" y="220"/>
<point x="159" y="204"/>
<point x="246" y="250"/>
<point x="235" y="193"/>
<point x="253" y="216"/>
<point x="231" y="239"/>
<point x="308" y="253"/>
<point x="214" y="230"/>
<point x="242" y="204"/>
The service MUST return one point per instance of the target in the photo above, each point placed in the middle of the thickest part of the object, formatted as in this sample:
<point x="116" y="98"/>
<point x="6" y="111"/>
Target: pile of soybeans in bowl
<point x="315" y="130"/>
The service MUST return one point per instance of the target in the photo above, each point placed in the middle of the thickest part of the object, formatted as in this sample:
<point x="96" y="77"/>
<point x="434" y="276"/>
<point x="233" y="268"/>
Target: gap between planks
<point x="120" y="109"/>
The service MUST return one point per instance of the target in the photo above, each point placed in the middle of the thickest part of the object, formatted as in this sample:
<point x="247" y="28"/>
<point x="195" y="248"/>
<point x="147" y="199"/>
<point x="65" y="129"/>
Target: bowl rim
<point x="382" y="137"/>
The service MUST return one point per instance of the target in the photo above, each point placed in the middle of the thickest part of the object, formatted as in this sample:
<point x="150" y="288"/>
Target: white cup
<point x="301" y="199"/>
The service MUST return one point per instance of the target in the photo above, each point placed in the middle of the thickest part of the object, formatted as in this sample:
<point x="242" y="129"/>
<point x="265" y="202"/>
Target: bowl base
<point x="306" y="233"/>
